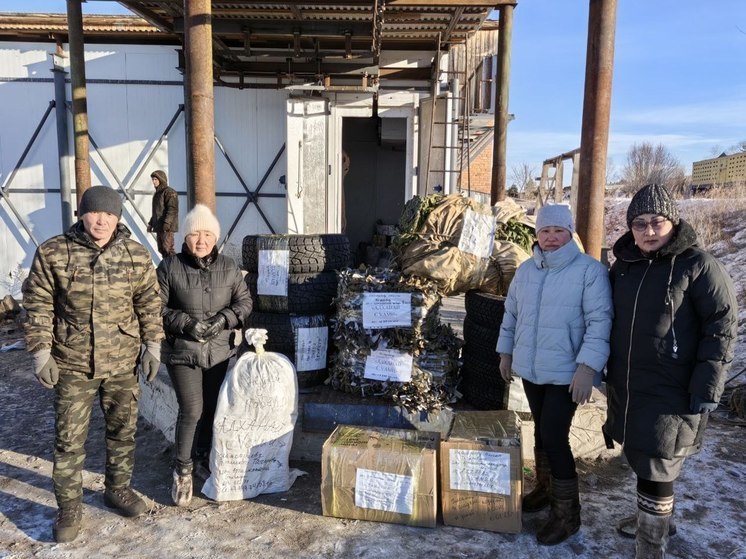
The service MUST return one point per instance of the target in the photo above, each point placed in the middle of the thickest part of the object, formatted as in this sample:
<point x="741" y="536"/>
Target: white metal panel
<point x="308" y="200"/>
<point x="24" y="60"/>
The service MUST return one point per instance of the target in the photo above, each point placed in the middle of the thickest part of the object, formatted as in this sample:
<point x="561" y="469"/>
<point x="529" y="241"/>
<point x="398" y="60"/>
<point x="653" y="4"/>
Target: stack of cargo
<point x="293" y="282"/>
<point x="390" y="341"/>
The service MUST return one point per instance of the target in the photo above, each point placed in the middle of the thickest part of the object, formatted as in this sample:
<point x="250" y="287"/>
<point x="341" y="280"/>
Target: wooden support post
<point x="499" y="146"/>
<point x="200" y="117"/>
<point x="594" y="137"/>
<point x="80" y="98"/>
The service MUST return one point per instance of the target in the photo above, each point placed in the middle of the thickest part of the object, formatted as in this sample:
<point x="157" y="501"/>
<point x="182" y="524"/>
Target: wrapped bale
<point x="390" y="341"/>
<point x="462" y="244"/>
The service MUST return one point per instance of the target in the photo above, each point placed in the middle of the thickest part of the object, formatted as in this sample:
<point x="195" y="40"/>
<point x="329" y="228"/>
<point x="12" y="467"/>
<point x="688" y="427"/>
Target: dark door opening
<point x="374" y="188"/>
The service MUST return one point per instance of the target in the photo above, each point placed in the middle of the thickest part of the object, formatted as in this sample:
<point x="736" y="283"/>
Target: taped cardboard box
<point x="384" y="475"/>
<point x="481" y="471"/>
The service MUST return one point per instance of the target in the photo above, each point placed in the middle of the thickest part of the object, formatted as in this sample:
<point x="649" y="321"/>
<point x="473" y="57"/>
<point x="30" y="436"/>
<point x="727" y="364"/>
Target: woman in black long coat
<point x="672" y="343"/>
<point x="204" y="298"/>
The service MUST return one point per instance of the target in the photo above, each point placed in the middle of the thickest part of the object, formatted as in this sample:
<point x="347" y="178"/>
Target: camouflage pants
<point x="118" y="395"/>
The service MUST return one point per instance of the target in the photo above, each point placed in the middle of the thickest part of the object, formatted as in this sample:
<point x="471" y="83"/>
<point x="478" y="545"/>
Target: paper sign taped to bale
<point x="253" y="428"/>
<point x="384" y="491"/>
<point x="310" y="348"/>
<point x="387" y="310"/>
<point x="477" y="234"/>
<point x="273" y="272"/>
<point x="388" y="364"/>
<point x="476" y="470"/>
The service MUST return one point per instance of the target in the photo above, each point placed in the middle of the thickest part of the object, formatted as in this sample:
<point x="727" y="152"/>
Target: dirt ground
<point x="710" y="506"/>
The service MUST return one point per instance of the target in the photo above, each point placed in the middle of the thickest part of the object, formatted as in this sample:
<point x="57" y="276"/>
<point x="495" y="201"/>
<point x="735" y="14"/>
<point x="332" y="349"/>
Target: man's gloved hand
<point x="699" y="405"/>
<point x="217" y="324"/>
<point x="151" y="360"/>
<point x="45" y="368"/>
<point x="506" y="367"/>
<point x="196" y="329"/>
<point x="582" y="384"/>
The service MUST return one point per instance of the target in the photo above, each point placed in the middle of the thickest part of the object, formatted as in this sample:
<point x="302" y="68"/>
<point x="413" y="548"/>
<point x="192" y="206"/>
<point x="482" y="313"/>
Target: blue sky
<point x="679" y="75"/>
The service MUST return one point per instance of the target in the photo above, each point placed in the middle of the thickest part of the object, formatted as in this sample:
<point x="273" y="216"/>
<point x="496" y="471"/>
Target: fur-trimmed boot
<point x="653" y="516"/>
<point x="564" y="516"/>
<point x="181" y="490"/>
<point x="538" y="498"/>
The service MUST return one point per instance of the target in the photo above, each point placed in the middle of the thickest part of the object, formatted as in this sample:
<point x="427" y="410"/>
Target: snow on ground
<point x="710" y="506"/>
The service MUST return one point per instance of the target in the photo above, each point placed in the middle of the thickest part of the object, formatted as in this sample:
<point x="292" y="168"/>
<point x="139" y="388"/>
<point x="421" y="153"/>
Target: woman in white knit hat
<point x="555" y="336"/>
<point x="204" y="298"/>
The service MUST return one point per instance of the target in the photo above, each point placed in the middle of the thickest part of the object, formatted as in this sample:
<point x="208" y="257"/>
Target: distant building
<point x="723" y="170"/>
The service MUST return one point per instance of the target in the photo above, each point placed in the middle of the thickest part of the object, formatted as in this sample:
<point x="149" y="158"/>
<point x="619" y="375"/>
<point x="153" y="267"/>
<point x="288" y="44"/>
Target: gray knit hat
<point x="100" y="199"/>
<point x="653" y="199"/>
<point x="555" y="215"/>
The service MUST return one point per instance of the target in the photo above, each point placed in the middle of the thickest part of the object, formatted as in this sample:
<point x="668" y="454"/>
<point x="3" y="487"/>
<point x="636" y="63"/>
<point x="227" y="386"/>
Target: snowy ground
<point x="710" y="494"/>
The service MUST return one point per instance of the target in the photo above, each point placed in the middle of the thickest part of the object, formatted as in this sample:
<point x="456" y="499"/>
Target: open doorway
<point x="375" y="186"/>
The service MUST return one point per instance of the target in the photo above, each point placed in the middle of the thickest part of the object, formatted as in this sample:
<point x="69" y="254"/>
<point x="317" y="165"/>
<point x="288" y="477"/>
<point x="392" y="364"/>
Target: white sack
<point x="253" y="428"/>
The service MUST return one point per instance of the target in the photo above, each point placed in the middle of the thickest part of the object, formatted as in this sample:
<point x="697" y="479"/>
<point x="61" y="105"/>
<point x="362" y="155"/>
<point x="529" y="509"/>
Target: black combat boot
<point x="69" y="518"/>
<point x="125" y="500"/>
<point x="564" y="516"/>
<point x="538" y="498"/>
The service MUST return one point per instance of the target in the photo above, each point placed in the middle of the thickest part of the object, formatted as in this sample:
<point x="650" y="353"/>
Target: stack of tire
<point x="481" y="383"/>
<point x="297" y="323"/>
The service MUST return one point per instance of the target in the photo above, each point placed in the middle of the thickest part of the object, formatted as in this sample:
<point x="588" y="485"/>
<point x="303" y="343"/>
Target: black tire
<point x="480" y="336"/>
<point x="481" y="383"/>
<point x="308" y="254"/>
<point x="486" y="309"/>
<point x="281" y="339"/>
<point x="307" y="294"/>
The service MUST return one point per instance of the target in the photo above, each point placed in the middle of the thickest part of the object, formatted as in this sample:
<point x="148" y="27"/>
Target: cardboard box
<point x="481" y="471"/>
<point x="384" y="475"/>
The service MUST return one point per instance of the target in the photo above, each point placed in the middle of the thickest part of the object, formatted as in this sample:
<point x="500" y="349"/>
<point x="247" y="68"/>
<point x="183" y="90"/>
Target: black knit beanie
<point x="100" y="199"/>
<point x="653" y="199"/>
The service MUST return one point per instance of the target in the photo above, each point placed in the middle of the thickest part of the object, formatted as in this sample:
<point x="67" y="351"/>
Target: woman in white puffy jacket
<point x="555" y="336"/>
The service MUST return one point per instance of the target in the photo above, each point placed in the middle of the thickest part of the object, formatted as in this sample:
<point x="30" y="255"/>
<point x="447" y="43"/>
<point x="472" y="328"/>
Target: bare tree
<point x="647" y="164"/>
<point x="738" y="147"/>
<point x="522" y="176"/>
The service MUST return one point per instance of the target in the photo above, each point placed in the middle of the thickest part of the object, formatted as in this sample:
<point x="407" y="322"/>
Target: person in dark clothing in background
<point x="672" y="343"/>
<point x="164" y="221"/>
<point x="204" y="299"/>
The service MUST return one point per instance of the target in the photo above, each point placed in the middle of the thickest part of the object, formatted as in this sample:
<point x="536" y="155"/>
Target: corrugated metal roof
<point x="54" y="23"/>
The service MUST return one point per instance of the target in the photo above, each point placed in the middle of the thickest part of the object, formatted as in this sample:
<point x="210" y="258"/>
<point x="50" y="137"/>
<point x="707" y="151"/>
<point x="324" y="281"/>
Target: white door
<point x="308" y="167"/>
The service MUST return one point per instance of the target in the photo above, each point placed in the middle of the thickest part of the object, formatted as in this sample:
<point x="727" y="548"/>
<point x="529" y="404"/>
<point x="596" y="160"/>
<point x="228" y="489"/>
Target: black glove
<point x="698" y="405"/>
<point x="217" y="324"/>
<point x="196" y="329"/>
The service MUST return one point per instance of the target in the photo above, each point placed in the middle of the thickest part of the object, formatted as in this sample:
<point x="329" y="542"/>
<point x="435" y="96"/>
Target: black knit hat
<point x="100" y="199"/>
<point x="653" y="199"/>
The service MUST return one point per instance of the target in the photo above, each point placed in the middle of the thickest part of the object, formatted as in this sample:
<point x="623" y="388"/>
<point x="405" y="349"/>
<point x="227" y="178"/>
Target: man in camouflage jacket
<point x="164" y="221"/>
<point x="92" y="299"/>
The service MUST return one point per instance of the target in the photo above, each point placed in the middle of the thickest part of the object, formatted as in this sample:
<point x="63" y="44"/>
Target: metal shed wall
<point x="134" y="92"/>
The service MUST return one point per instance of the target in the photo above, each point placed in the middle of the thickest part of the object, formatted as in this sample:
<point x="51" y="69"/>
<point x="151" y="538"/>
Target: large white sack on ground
<point x="253" y="428"/>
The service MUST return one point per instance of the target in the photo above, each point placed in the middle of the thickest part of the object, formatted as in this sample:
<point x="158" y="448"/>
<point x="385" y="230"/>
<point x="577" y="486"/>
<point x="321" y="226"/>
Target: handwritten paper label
<point x="388" y="364"/>
<point x="311" y="345"/>
<point x="383" y="491"/>
<point x="387" y="310"/>
<point x="476" y="470"/>
<point x="273" y="272"/>
<point x="477" y="234"/>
